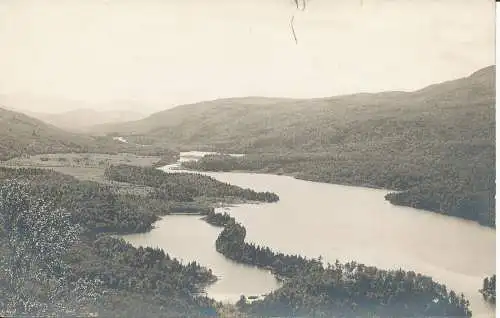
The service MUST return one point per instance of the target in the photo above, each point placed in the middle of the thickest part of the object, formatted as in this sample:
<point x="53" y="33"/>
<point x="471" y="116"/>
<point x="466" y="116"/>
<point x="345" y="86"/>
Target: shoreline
<point x="296" y="176"/>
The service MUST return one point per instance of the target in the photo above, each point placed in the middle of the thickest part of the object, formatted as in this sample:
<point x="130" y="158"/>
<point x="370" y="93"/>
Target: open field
<point x="87" y="166"/>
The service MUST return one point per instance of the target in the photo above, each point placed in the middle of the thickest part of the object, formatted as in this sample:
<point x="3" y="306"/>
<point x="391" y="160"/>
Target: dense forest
<point x="53" y="262"/>
<point x="56" y="249"/>
<point x="313" y="290"/>
<point x="92" y="205"/>
<point x="489" y="289"/>
<point x="354" y="290"/>
<point x="183" y="186"/>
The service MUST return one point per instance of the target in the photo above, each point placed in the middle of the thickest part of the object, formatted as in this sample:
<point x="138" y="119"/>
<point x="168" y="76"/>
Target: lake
<point x="336" y="222"/>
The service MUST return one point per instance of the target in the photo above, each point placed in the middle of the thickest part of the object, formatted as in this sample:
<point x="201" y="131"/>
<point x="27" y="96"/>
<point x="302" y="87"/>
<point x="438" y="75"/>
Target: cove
<point x="336" y="222"/>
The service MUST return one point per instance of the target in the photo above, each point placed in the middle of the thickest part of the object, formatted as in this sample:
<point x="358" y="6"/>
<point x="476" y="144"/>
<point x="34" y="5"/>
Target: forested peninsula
<point x="455" y="190"/>
<point x="347" y="290"/>
<point x="58" y="256"/>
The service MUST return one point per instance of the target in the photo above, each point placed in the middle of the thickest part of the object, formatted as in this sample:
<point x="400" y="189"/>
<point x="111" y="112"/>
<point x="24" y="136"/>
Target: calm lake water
<point x="336" y="222"/>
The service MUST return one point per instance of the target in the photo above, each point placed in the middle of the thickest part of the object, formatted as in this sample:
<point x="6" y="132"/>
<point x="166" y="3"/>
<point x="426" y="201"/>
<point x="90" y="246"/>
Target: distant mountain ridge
<point x="225" y="123"/>
<point x="81" y="119"/>
<point x="75" y="115"/>
<point x="436" y="145"/>
<point x="21" y="134"/>
<point x="25" y="102"/>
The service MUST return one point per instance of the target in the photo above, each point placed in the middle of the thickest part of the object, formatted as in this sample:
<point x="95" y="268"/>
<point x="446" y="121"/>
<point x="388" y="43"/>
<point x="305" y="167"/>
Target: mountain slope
<point x="437" y="144"/>
<point x="459" y="110"/>
<point x="21" y="134"/>
<point x="24" y="135"/>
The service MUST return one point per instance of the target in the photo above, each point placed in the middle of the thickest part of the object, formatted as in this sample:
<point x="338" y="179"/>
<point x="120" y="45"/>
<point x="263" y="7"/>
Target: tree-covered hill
<point x="458" y="110"/>
<point x="57" y="254"/>
<point x="436" y="145"/>
<point x="23" y="135"/>
<point x="54" y="262"/>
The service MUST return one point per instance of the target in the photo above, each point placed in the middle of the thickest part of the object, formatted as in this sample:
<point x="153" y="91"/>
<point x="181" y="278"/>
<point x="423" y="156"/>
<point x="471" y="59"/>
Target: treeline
<point x="460" y="188"/>
<point x="19" y="145"/>
<point x="354" y="290"/>
<point x="350" y="289"/>
<point x="167" y="154"/>
<point x="139" y="268"/>
<point x="53" y="265"/>
<point x="183" y="186"/>
<point x="218" y="219"/>
<point x="166" y="160"/>
<point x="489" y="289"/>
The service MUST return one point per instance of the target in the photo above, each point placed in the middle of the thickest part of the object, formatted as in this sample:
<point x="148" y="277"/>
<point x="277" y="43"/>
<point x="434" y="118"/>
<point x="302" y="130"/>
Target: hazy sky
<point x="180" y="51"/>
